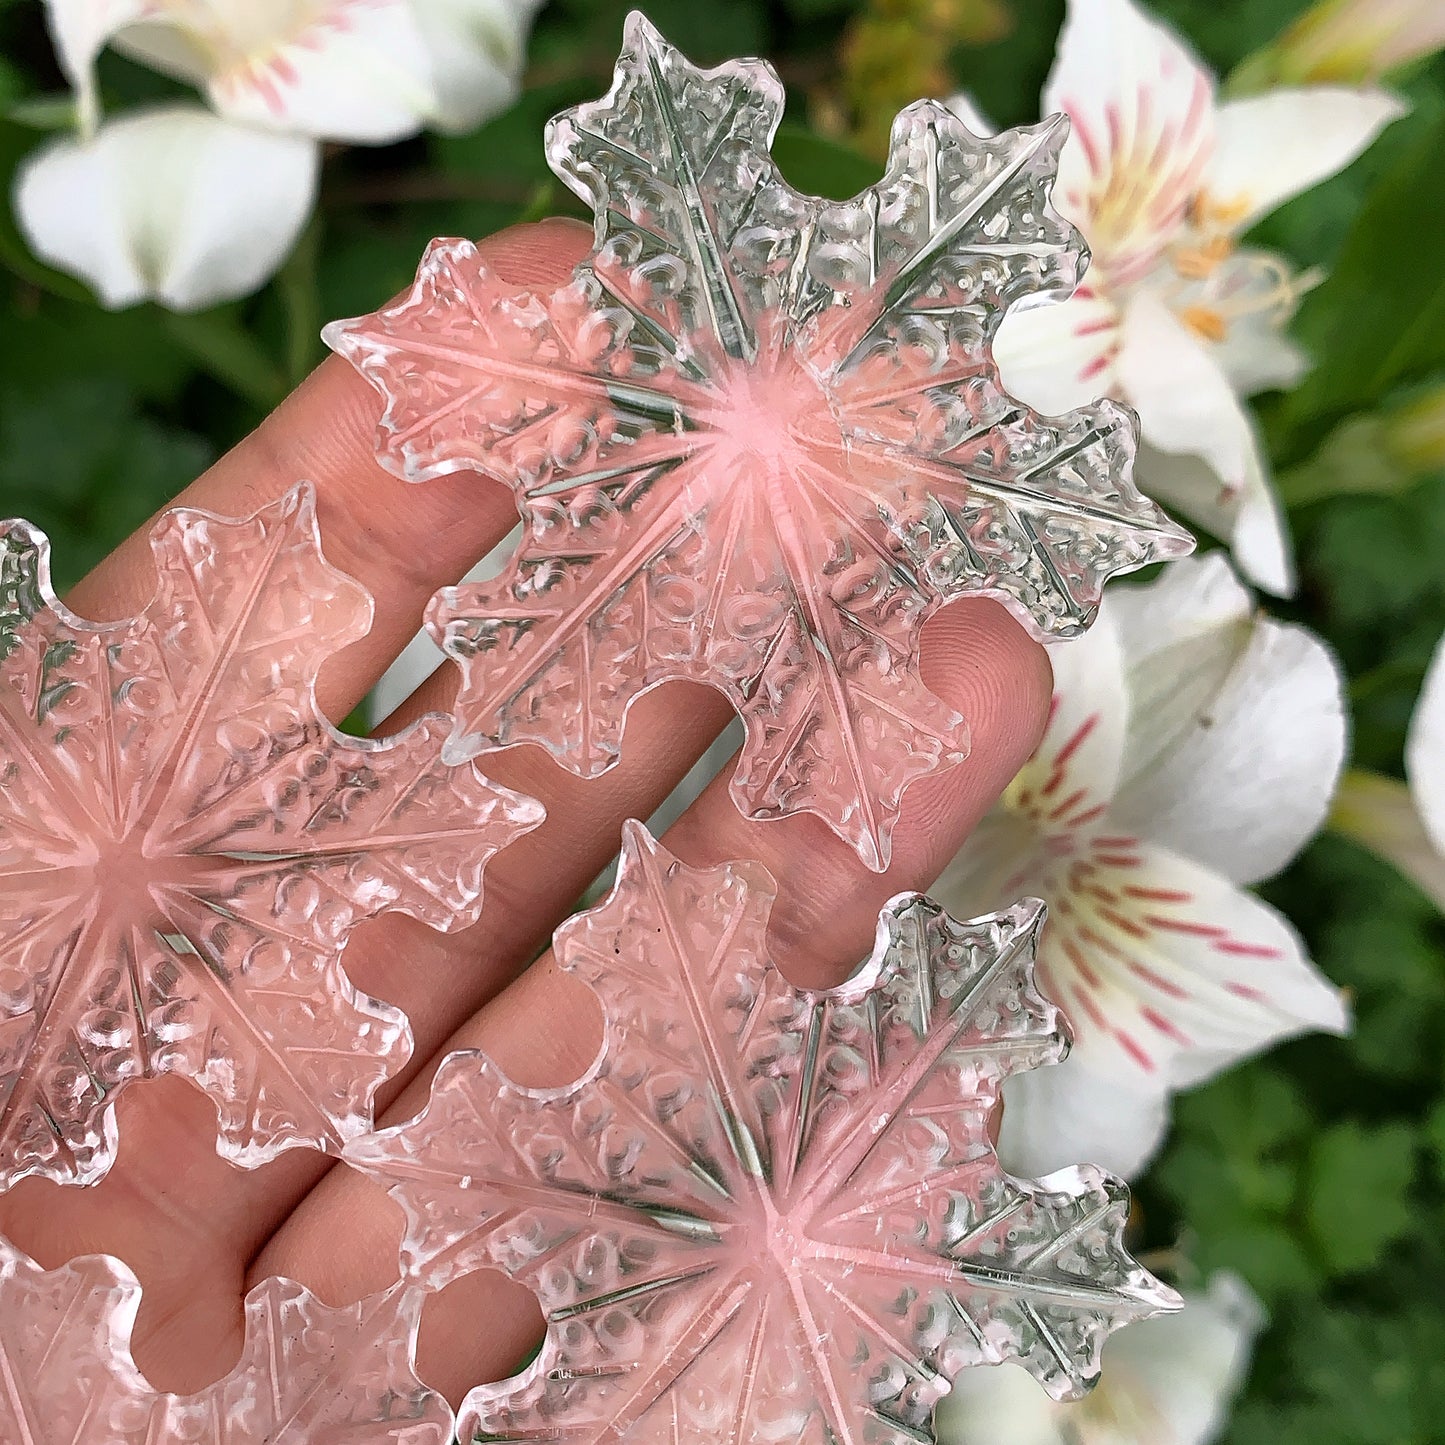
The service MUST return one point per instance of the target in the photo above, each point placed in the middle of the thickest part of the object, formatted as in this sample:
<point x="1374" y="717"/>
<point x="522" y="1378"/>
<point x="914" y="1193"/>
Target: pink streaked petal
<point x="1142" y="110"/>
<point x="1237" y="722"/>
<point x="1058" y="356"/>
<point x="1189" y="972"/>
<point x="1072" y="774"/>
<point x="351" y="70"/>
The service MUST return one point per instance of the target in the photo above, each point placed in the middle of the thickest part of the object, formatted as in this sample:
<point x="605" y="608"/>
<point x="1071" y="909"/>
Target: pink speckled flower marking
<point x="766" y="1214"/>
<point x="757" y="440"/>
<point x="186" y="843"/>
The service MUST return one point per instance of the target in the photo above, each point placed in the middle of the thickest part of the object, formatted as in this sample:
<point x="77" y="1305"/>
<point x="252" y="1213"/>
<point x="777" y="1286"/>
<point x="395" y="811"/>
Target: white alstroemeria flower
<point x="1192" y="749"/>
<point x="1167" y="1381"/>
<point x="175" y="204"/>
<point x="1174" y="317"/>
<point x="346" y="70"/>
<point x="282" y="76"/>
<point x="1405" y="825"/>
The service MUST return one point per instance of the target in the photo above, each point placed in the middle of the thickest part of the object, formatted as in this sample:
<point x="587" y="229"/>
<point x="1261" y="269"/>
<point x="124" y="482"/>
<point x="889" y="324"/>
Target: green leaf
<point x="820" y="166"/>
<point x="1265" y="1254"/>
<point x="300" y="296"/>
<point x="221" y="346"/>
<point x="1435" y="1134"/>
<point x="1359" y="1182"/>
<point x="44" y="112"/>
<point x="1368" y="337"/>
<point x="83" y="461"/>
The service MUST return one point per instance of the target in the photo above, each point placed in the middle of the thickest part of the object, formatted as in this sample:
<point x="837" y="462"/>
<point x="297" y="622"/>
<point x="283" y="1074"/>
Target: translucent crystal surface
<point x="758" y="439"/>
<point x="186" y="843"/>
<point x="766" y="1214"/>
<point x="308" y="1373"/>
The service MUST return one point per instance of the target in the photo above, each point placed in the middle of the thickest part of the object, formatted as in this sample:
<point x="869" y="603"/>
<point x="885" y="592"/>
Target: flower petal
<point x="1188" y="410"/>
<point x="173" y="204"/>
<point x="1184" y="400"/>
<point x="1236" y="722"/>
<point x="1167" y="1381"/>
<point x="477" y="49"/>
<point x="1252" y="523"/>
<point x="1067" y="784"/>
<point x="1380" y="814"/>
<point x="1425" y="749"/>
<point x="349" y="70"/>
<point x="355" y="70"/>
<point x="1059" y="355"/>
<point x="1142" y="109"/>
<point x="80" y="30"/>
<point x="1351" y="39"/>
<point x="1272" y="146"/>
<point x="1168" y="972"/>
<point x="1257" y="356"/>
<point x="998" y="1405"/>
<point x="1073" y="1111"/>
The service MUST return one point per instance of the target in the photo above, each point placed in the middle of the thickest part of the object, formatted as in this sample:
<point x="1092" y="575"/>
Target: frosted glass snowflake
<point x="766" y="1214"/>
<point x="186" y="843"/>
<point x="758" y="439"/>
<point x="308" y="1373"/>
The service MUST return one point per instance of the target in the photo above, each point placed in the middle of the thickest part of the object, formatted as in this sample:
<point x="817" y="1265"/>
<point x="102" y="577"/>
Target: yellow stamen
<point x="1194" y="263"/>
<point x="1205" y="321"/>
<point x="1210" y="213"/>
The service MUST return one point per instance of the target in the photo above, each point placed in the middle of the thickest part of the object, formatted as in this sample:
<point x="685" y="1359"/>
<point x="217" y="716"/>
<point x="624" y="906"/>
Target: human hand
<point x="198" y="1232"/>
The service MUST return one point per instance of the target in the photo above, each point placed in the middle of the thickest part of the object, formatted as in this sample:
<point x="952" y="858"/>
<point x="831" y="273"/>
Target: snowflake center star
<point x="127" y="871"/>
<point x="777" y="1236"/>
<point x="771" y="419"/>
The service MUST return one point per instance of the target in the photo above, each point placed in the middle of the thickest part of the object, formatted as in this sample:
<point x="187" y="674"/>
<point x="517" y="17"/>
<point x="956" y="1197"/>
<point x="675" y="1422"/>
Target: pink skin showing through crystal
<point x="186" y="843"/>
<point x="764" y="1213"/>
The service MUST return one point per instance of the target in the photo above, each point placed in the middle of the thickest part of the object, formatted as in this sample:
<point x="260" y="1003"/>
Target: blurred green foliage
<point x="1318" y="1173"/>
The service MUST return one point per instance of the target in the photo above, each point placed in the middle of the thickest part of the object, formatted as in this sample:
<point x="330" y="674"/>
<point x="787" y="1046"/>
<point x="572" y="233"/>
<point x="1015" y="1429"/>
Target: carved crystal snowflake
<point x="758" y="439"/>
<point x="186" y="843"/>
<point x="766" y="1214"/>
<point x="308" y="1373"/>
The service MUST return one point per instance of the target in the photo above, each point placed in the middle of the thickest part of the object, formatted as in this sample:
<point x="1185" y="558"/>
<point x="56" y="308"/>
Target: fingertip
<point x="979" y="659"/>
<point x="537" y="253"/>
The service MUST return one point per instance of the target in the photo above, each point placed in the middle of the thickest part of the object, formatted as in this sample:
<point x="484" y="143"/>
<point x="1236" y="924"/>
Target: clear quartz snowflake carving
<point x="186" y="844"/>
<point x="309" y="1374"/>
<point x="758" y="439"/>
<point x="766" y="1214"/>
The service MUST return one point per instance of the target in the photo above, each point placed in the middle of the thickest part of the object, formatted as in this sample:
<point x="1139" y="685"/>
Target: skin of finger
<point x="401" y="542"/>
<point x="545" y="1028"/>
